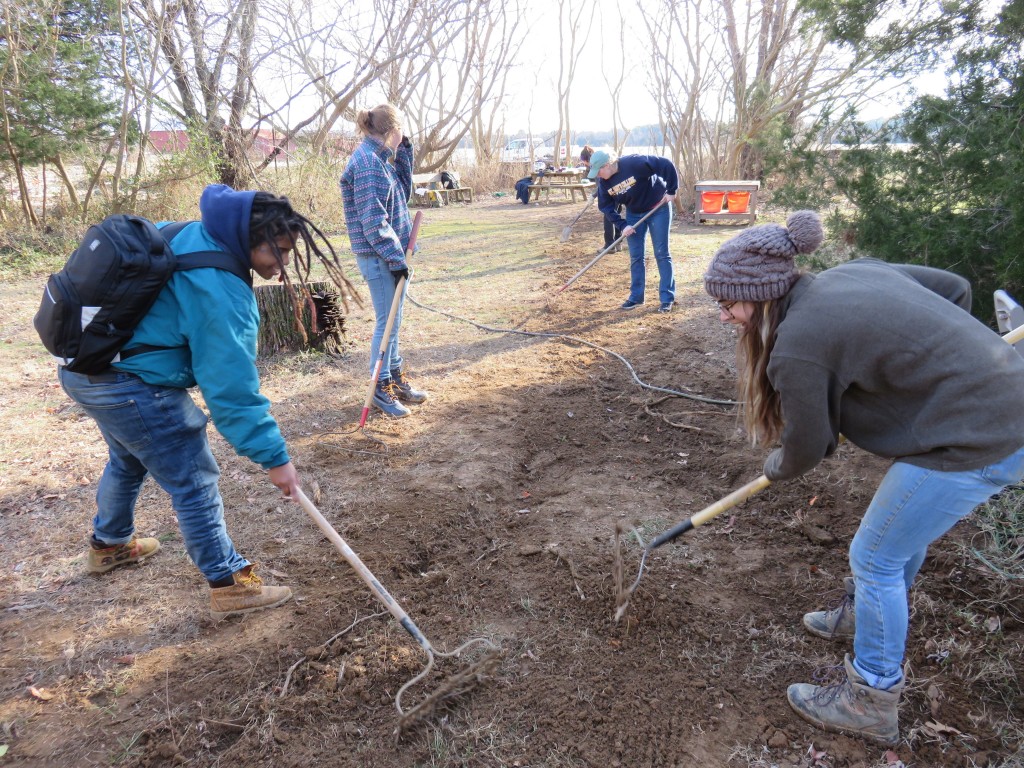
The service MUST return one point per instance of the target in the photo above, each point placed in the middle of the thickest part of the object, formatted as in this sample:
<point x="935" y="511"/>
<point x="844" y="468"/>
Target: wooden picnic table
<point x="571" y="181"/>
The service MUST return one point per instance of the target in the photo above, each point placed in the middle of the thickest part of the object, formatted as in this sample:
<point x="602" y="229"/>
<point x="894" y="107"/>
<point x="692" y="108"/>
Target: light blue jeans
<point x="382" y="293"/>
<point x="658" y="226"/>
<point x="157" y="431"/>
<point x="911" y="508"/>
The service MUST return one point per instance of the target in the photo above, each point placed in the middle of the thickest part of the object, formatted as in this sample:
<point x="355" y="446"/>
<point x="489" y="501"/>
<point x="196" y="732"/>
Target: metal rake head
<point x="452" y="686"/>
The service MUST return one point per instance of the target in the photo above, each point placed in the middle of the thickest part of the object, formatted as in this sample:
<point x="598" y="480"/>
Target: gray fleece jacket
<point x="889" y="356"/>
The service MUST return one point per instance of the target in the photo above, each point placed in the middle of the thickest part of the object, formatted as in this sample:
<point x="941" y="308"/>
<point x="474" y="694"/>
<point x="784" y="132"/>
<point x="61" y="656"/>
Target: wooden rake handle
<point x="385" y="341"/>
<point x="708" y="513"/>
<point x="615" y="242"/>
<point x="362" y="571"/>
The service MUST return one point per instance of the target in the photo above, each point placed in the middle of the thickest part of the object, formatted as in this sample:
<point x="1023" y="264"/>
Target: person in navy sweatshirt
<point x="202" y="331"/>
<point x="645" y="185"/>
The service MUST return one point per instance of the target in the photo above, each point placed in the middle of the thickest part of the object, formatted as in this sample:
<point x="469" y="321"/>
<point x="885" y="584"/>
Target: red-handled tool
<point x="385" y="341"/>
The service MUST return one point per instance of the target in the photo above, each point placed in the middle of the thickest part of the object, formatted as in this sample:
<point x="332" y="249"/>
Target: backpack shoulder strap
<point x="197" y="259"/>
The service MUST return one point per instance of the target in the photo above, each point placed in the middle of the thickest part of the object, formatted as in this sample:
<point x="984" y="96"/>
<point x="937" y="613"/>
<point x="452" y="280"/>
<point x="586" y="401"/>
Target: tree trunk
<point x="323" y="328"/>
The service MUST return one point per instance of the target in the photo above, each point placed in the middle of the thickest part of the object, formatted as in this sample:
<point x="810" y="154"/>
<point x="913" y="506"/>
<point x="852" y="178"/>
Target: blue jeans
<point x="382" y="293"/>
<point x="157" y="431"/>
<point x="912" y="508"/>
<point x="658" y="226"/>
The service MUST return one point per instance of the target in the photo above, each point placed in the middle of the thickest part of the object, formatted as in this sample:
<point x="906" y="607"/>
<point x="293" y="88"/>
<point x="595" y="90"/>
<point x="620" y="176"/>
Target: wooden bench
<point x="428" y="189"/>
<point x="584" y="188"/>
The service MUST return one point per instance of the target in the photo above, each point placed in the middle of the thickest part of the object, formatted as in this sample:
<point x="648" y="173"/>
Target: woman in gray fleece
<point x="889" y="356"/>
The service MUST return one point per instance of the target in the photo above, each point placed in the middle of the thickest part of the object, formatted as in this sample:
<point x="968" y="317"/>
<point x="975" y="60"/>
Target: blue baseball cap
<point x="597" y="160"/>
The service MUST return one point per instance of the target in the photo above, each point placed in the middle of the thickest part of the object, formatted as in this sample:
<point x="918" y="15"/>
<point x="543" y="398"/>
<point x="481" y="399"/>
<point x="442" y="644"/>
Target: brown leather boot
<point x="246" y="595"/>
<point x="851" y="706"/>
<point x="103" y="559"/>
<point x="837" y="623"/>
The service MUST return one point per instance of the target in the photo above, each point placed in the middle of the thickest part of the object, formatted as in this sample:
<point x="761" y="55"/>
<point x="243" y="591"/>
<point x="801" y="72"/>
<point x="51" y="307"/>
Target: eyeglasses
<point x="726" y="306"/>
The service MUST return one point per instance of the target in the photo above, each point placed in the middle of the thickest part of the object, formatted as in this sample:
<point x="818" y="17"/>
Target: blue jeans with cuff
<point x="912" y="507"/>
<point x="381" y="283"/>
<point x="157" y="431"/>
<point x="658" y="225"/>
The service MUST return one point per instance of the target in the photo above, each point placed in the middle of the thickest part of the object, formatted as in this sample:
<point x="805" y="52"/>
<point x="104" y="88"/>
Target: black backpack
<point x="449" y="179"/>
<point x="90" y="309"/>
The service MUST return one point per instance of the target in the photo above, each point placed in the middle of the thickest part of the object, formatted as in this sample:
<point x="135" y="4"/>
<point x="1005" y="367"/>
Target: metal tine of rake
<point x="451" y="687"/>
<point x="697" y="520"/>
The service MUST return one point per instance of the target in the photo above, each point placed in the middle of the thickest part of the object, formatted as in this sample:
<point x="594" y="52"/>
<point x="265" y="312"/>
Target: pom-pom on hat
<point x="757" y="265"/>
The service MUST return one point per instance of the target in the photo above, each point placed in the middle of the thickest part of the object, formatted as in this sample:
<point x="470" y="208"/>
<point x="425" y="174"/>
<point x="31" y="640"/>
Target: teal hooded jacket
<point x="205" y="322"/>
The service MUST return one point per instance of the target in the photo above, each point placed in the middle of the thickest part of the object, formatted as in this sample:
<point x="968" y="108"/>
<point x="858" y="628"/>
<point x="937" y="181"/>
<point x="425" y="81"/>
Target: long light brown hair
<point x="762" y="409"/>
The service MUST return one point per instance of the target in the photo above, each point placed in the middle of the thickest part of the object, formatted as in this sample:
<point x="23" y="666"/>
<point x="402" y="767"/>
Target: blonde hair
<point x="379" y="121"/>
<point x="762" y="408"/>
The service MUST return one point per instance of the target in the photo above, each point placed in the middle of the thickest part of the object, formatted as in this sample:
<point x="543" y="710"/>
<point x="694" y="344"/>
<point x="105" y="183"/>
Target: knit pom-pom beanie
<point x="757" y="265"/>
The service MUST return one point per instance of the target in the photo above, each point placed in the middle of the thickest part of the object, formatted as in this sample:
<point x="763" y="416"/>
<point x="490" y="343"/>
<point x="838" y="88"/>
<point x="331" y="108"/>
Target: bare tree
<point x="376" y="50"/>
<point x="613" y="71"/>
<point x="573" y="35"/>
<point x="459" y="93"/>
<point x="729" y="74"/>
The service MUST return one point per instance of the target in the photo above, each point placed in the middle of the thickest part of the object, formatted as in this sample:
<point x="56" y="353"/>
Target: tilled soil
<point x="490" y="512"/>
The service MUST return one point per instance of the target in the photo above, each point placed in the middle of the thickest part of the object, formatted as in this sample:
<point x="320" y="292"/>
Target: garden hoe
<point x="454" y="685"/>
<point x="385" y="341"/>
<point x="601" y="255"/>
<point x="622" y="594"/>
<point x="568" y="230"/>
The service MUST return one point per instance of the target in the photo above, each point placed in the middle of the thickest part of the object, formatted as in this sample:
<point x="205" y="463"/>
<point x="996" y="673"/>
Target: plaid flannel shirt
<point x="375" y="195"/>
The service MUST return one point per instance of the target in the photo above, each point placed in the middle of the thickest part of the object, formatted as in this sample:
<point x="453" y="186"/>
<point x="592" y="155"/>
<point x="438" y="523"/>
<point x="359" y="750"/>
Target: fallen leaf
<point x="40" y="693"/>
<point x="993" y="624"/>
<point x="525" y="494"/>
<point x="936" y="728"/>
<point x="3" y="749"/>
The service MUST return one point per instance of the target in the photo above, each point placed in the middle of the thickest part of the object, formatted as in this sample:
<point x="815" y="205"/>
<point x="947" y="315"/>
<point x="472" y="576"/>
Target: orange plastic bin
<point x="736" y="202"/>
<point x="711" y="202"/>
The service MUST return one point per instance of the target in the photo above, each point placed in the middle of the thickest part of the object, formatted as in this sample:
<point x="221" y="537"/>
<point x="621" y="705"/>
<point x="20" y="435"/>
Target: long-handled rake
<point x="601" y="255"/>
<point x="454" y="685"/>
<point x="568" y="230"/>
<point x="385" y="342"/>
<point x="622" y="594"/>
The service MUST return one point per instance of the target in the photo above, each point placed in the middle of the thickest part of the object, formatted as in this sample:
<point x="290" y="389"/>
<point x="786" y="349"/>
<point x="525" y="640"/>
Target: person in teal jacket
<point x="201" y="331"/>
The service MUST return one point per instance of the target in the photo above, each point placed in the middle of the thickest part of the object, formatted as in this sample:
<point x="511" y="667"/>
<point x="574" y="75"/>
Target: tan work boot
<point x="852" y="707"/>
<point x="103" y="559"/>
<point x="836" y="623"/>
<point x="246" y="595"/>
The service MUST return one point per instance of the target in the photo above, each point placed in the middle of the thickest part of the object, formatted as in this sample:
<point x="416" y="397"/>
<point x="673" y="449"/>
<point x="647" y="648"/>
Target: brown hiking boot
<point x="246" y="595"/>
<point x="837" y="623"/>
<point x="850" y="706"/>
<point x="103" y="559"/>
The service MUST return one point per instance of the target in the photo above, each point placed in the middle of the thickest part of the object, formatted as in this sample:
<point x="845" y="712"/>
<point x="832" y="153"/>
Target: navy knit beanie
<point x="757" y="265"/>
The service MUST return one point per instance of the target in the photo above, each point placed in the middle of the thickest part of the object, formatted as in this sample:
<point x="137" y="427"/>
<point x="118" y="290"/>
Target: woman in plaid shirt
<point x="375" y="190"/>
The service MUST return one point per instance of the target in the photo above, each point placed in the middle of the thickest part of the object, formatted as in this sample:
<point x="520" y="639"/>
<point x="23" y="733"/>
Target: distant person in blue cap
<point x="644" y="184"/>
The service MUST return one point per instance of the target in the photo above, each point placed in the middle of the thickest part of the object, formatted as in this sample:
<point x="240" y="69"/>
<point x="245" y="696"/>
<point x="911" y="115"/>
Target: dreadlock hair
<point x="273" y="216"/>
<point x="762" y="408"/>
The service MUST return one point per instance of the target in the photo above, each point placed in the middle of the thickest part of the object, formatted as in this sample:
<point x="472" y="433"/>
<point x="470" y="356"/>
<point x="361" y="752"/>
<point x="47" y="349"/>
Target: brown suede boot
<point x="851" y="707"/>
<point x="246" y="595"/>
<point x="103" y="559"/>
<point x="836" y="623"/>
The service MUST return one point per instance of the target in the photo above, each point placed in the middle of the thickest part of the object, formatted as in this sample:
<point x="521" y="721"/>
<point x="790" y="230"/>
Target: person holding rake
<point x="645" y="185"/>
<point x="889" y="356"/>
<point x="375" y="189"/>
<point x="201" y="331"/>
